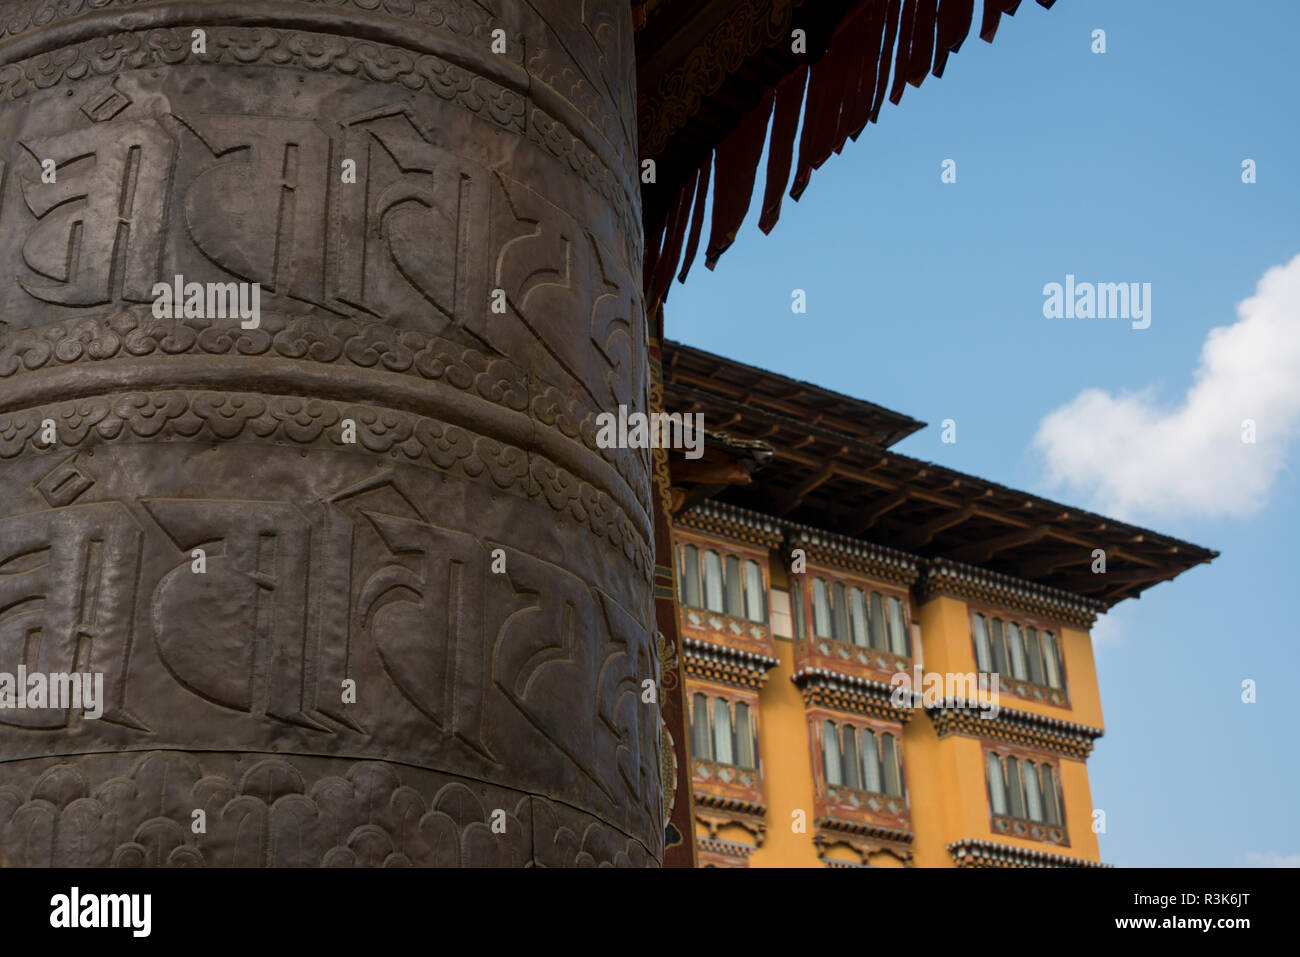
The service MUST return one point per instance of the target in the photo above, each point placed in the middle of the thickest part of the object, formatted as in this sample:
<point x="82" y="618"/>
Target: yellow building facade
<point x="852" y="703"/>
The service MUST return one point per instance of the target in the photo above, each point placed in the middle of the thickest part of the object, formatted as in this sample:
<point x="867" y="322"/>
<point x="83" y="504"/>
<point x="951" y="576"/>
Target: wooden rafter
<point x="985" y="549"/>
<point x="797" y="494"/>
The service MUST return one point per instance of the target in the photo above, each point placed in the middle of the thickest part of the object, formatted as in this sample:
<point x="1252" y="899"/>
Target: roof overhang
<point x="834" y="475"/>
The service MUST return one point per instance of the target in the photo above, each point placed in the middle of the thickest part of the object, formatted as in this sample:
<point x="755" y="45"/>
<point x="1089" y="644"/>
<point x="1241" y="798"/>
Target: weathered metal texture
<point x="472" y="561"/>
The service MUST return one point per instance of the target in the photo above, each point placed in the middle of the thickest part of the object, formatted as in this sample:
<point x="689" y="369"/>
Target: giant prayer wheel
<point x="361" y="584"/>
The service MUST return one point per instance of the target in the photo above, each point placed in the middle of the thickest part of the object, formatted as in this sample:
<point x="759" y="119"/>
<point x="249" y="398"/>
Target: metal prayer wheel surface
<point x="389" y="483"/>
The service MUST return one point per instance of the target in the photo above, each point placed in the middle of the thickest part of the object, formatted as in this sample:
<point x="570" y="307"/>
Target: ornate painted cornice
<point x="756" y="809"/>
<point x="706" y="660"/>
<point x="852" y="553"/>
<point x="423" y="441"/>
<point x="715" y="811"/>
<point x="1019" y="727"/>
<point x="848" y="693"/>
<point x="976" y="853"/>
<point x="940" y="576"/>
<point x="733" y="522"/>
<point x="71" y="358"/>
<point x="734" y="849"/>
<point x="928" y="577"/>
<point x="864" y="838"/>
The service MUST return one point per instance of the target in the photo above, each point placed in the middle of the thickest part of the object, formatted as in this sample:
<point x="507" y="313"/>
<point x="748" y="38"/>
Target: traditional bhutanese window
<point x="701" y="746"/>
<point x="1016" y="648"/>
<point x="796" y="603"/>
<point x="1052" y="660"/>
<point x="1034" y="652"/>
<point x="871" y="765"/>
<point x="897" y="628"/>
<point x="690" y="586"/>
<point x="840" y="613"/>
<point x="997" y="787"/>
<point x="983" y="656"/>
<point x="755" y="594"/>
<point x="889" y="764"/>
<point x="1024" y="789"/>
<point x="744" y="737"/>
<point x="1033" y="797"/>
<point x="1015" y="794"/>
<point x="861" y="759"/>
<point x="858" y="617"/>
<point x="1051" y="798"/>
<point x="821" y="609"/>
<point x="831" y="754"/>
<point x="734" y="588"/>
<point x="849" y="749"/>
<point x="876" y="626"/>
<point x="848" y="614"/>
<point x="1020" y="652"/>
<point x="999" y="649"/>
<point x="713" y="582"/>
<point x="722" y="582"/>
<point x="723" y="731"/>
<point x="722" y="752"/>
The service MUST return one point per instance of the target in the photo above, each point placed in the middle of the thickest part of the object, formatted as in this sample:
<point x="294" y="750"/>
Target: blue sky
<point x="927" y="298"/>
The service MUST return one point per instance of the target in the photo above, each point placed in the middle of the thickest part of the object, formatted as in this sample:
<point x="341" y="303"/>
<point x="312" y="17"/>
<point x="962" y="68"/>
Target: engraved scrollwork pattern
<point x="410" y="438"/>
<point x="346" y="341"/>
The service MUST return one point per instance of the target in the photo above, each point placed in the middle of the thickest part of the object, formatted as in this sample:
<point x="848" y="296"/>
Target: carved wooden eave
<point x="928" y="577"/>
<point x="971" y="852"/>
<point x="791" y="410"/>
<point x="1018" y="727"/>
<point x="722" y="461"/>
<point x="732" y="805"/>
<point x="738" y="523"/>
<point x="842" y="692"/>
<point x="866" y="839"/>
<point x="716" y="811"/>
<point x="704" y="659"/>
<point x="832" y="470"/>
<point x="711" y="76"/>
<point x="852" y="554"/>
<point x="729" y="853"/>
<point x="943" y="577"/>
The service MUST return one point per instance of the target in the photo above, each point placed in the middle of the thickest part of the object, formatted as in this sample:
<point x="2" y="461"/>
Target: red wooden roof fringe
<point x="904" y="47"/>
<point x="860" y="101"/>
<point x="821" y="117"/>
<point x="653" y="244"/>
<point x="882" y="64"/>
<point x="673" y="236"/>
<point x="993" y="10"/>
<point x="954" y="23"/>
<point x="736" y="159"/>
<point x="921" y="57"/>
<point x="697" y="221"/>
<point x="785" y="121"/>
<point x="845" y="89"/>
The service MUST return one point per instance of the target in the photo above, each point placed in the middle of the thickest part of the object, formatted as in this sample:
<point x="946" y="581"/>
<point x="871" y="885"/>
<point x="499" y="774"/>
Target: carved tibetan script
<point x="407" y="608"/>
<point x="410" y="234"/>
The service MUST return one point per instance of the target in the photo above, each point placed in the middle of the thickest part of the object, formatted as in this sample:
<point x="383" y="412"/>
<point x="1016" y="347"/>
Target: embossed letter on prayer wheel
<point x="308" y="552"/>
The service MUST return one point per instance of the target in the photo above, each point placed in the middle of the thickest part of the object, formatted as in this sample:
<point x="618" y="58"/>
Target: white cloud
<point x="1272" y="859"/>
<point x="1107" y="631"/>
<point x="1129" y="455"/>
